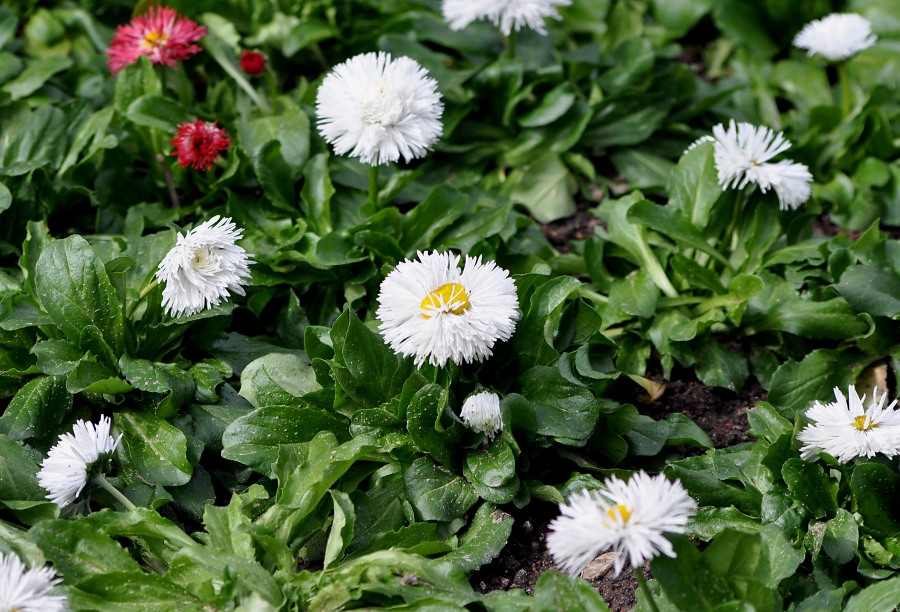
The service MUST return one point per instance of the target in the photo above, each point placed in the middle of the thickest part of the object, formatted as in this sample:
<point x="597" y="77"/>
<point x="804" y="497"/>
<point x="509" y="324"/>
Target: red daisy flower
<point x="252" y="62"/>
<point x="198" y="144"/>
<point x="161" y="34"/>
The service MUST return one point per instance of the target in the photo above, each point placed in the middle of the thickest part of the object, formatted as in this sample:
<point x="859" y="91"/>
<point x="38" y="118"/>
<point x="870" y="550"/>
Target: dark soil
<point x="719" y="412"/>
<point x="577" y="227"/>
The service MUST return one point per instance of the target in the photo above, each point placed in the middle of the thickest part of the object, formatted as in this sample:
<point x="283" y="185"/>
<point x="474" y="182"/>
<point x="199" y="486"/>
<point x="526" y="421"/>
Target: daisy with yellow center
<point x="846" y="429"/>
<point x="631" y="518"/>
<point x="432" y="310"/>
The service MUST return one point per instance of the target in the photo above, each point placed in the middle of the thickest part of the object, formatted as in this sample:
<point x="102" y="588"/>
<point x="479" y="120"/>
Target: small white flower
<point x="481" y="413"/>
<point x="742" y="154"/>
<point x="836" y="37"/>
<point x="629" y="517"/>
<point x="203" y="267"/>
<point x="507" y="15"/>
<point x="430" y="310"/>
<point x="846" y="430"/>
<point x="379" y="109"/>
<point x="31" y="590"/>
<point x="65" y="471"/>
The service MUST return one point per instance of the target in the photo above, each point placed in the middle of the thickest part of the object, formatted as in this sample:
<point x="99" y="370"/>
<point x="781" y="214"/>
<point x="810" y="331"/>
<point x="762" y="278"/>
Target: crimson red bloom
<point x="198" y="144"/>
<point x="252" y="62"/>
<point x="161" y="34"/>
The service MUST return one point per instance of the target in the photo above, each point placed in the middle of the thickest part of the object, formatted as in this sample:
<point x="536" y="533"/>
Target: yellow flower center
<point x="864" y="423"/>
<point x="616" y="511"/>
<point x="155" y="38"/>
<point x="444" y="296"/>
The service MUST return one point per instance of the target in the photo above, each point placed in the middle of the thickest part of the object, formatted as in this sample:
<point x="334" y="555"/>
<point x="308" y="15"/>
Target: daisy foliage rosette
<point x="379" y="109"/>
<point x="846" y="428"/>
<point x="203" y="268"/>
<point x="836" y="37"/>
<point x="431" y="310"/>
<point x="76" y="458"/>
<point x="161" y="34"/>
<point x="481" y="413"/>
<point x="507" y="15"/>
<point x="28" y="590"/>
<point x="630" y="517"/>
<point x="742" y="156"/>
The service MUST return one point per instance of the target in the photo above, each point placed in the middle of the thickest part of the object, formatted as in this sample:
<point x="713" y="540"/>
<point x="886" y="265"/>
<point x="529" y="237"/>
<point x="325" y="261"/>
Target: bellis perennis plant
<point x="28" y="590"/>
<point x="631" y="518"/>
<point x="847" y="428"/>
<point x="203" y="268"/>
<point x="379" y="109"/>
<point x="199" y="144"/>
<point x="161" y="34"/>
<point x="836" y="37"/>
<point x="431" y="310"/>
<point x="507" y="15"/>
<point x="481" y="413"/>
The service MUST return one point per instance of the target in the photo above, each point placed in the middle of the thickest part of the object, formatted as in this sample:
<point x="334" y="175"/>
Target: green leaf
<point x="720" y="367"/>
<point x="765" y="422"/>
<point x="709" y="522"/>
<point x="316" y="194"/>
<point x="278" y="379"/>
<point x="440" y="209"/>
<point x="133" y="81"/>
<point x="871" y="289"/>
<point x="551" y="107"/>
<point x="810" y="486"/>
<point x="693" y="185"/>
<point x="841" y="537"/>
<point x="436" y="493"/>
<point x="290" y="129"/>
<point x="341" y="532"/>
<point x="874" y="488"/>
<point x="18" y="473"/>
<point x="562" y="409"/>
<point x="34" y="77"/>
<point x="78" y="550"/>
<point x="795" y="386"/>
<point x="545" y="188"/>
<point x="635" y="294"/>
<point x="424" y="424"/>
<point x="555" y="591"/>
<point x="254" y="439"/>
<point x="153" y="448"/>
<point x="687" y="581"/>
<point x="882" y="597"/>
<point x="37" y="409"/>
<point x="131" y="591"/>
<point x="533" y="340"/>
<point x="483" y="541"/>
<point x="57" y="357"/>
<point x="75" y="291"/>
<point x="159" y="378"/>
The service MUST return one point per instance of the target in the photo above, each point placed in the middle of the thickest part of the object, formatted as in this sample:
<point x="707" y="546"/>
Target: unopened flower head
<point x="76" y="458"/>
<point x="629" y="517"/>
<point x="507" y="15"/>
<point x="161" y="34"/>
<point x="28" y="590"/>
<point x="846" y="428"/>
<point x="252" y="62"/>
<point x="198" y="144"/>
<point x="203" y="267"/>
<point x="743" y="153"/>
<point x="379" y="109"/>
<point x="481" y="413"/>
<point x="836" y="37"/>
<point x="431" y="310"/>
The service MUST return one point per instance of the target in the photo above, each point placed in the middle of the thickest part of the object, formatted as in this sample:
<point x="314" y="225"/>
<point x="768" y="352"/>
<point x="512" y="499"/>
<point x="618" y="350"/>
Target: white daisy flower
<point x="507" y="15"/>
<point x="69" y="464"/>
<point x="836" y="37"/>
<point x="845" y="429"/>
<point x="379" y="109"/>
<point x="742" y="154"/>
<point x="431" y="310"/>
<point x="30" y="590"/>
<point x="202" y="267"/>
<point x="629" y="517"/>
<point x="481" y="413"/>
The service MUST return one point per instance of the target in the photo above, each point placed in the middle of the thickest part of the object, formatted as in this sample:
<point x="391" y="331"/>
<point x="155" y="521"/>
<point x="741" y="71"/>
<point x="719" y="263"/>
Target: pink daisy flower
<point x="161" y="34"/>
<point x="198" y="144"/>
<point x="252" y="62"/>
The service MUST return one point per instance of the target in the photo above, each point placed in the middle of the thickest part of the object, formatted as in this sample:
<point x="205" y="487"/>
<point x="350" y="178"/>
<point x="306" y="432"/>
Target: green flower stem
<point x="511" y="45"/>
<point x="104" y="483"/>
<point x="642" y="583"/>
<point x="593" y="296"/>
<point x="845" y="89"/>
<point x="651" y="266"/>
<point x="731" y="233"/>
<point x="133" y="306"/>
<point x="372" y="202"/>
<point x="167" y="172"/>
<point x="273" y="89"/>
